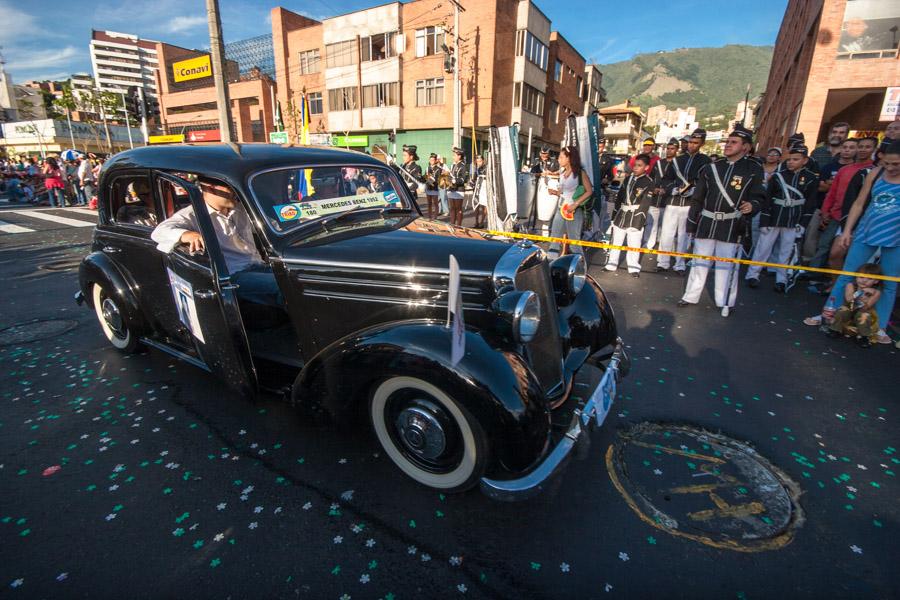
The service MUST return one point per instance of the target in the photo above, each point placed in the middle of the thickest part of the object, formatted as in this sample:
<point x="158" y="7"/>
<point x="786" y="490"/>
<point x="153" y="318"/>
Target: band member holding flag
<point x="681" y="177"/>
<point x="789" y="204"/>
<point x="728" y="192"/>
<point x="630" y="215"/>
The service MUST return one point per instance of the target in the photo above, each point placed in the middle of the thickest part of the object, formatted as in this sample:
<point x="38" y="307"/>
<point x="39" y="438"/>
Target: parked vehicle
<point x="363" y="325"/>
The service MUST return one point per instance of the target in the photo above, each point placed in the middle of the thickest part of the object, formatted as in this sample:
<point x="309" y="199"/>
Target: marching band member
<point x="480" y="193"/>
<point x="546" y="168"/>
<point x="630" y="215"/>
<point x="431" y="185"/>
<point x="790" y="200"/>
<point x="660" y="195"/>
<point x="459" y="175"/>
<point x="410" y="169"/>
<point x="727" y="193"/>
<point x="681" y="177"/>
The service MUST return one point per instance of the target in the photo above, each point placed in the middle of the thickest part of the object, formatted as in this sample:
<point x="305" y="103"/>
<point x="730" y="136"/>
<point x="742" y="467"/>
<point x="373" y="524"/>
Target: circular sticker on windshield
<point x="288" y="212"/>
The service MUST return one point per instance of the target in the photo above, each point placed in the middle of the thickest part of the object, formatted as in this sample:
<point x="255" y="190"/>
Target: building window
<point x="342" y="99"/>
<point x="381" y="94"/>
<point x="869" y="30"/>
<point x="554" y="111"/>
<point x="309" y="62"/>
<point x="429" y="40"/>
<point x="532" y="48"/>
<point x="528" y="98"/>
<point x="315" y="103"/>
<point x="378" y="47"/>
<point x="579" y="85"/>
<point x="557" y="73"/>
<point x="340" y="54"/>
<point x="430" y="91"/>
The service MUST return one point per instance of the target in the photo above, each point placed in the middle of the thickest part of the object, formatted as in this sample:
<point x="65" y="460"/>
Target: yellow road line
<point x="740" y="261"/>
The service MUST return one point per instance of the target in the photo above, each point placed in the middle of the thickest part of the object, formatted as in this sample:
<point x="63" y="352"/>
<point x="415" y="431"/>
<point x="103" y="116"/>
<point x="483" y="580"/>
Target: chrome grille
<point x="545" y="350"/>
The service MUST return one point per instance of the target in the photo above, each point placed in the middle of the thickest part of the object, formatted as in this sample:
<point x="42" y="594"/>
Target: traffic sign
<point x="278" y="137"/>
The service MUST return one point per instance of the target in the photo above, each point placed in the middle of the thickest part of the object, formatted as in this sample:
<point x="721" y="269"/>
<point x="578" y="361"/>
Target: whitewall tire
<point x="113" y="321"/>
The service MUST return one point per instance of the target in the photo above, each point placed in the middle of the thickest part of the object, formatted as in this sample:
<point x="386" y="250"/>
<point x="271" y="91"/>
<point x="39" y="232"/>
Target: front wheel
<point x="113" y="321"/>
<point x="427" y="434"/>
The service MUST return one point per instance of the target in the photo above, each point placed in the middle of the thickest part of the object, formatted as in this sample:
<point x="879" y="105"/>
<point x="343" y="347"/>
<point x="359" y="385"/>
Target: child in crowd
<point x="632" y="207"/>
<point x="857" y="315"/>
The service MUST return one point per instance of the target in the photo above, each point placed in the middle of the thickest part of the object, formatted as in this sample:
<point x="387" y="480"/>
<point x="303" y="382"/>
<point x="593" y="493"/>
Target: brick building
<point x="375" y="71"/>
<point x="565" y="87"/>
<point x="832" y="62"/>
<point x="187" y="97"/>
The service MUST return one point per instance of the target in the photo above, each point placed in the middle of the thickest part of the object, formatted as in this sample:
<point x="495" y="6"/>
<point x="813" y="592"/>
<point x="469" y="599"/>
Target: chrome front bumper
<point x="590" y="413"/>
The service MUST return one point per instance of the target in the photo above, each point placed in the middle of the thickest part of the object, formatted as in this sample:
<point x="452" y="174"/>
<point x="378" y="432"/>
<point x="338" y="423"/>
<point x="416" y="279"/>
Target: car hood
<point x="397" y="243"/>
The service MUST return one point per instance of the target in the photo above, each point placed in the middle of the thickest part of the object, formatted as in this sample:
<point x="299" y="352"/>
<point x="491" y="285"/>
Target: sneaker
<point x="662" y="269"/>
<point x="780" y="288"/>
<point x="813" y="321"/>
<point x="753" y="282"/>
<point x="882" y="337"/>
<point x="863" y="342"/>
<point x="636" y="274"/>
<point x="682" y="303"/>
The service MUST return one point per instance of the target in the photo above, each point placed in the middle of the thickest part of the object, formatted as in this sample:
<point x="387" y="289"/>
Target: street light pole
<point x="457" y="101"/>
<point x="127" y="121"/>
<point x="217" y="52"/>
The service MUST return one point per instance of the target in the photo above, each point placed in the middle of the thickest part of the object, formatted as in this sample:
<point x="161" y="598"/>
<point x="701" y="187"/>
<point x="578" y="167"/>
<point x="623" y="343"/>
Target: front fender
<point x="497" y="387"/>
<point x="96" y="267"/>
<point x="587" y="324"/>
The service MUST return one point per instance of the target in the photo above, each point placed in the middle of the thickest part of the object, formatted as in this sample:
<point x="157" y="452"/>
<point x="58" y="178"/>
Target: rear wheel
<point x="427" y="434"/>
<point x="113" y="321"/>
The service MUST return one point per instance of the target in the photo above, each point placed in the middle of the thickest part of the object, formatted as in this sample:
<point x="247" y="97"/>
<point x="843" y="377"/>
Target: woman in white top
<point x="571" y="175"/>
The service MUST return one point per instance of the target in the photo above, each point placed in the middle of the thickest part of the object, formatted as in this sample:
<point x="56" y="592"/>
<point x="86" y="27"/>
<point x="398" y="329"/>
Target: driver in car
<point x="234" y="232"/>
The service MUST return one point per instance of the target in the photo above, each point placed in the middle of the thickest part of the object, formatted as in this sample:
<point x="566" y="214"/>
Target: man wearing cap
<point x="684" y="144"/>
<point x="785" y="213"/>
<point x="410" y="169"/>
<point x="431" y="185"/>
<point x="459" y="174"/>
<point x="681" y="176"/>
<point x="602" y="220"/>
<point x="728" y="192"/>
<point x="545" y="168"/>
<point x="660" y="197"/>
<point x="545" y="164"/>
<point x="798" y="139"/>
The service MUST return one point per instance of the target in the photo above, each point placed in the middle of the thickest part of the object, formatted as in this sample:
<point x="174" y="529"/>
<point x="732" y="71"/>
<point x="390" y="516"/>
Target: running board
<point x="176" y="353"/>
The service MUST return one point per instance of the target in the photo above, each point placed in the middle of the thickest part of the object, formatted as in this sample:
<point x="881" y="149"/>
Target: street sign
<point x="204" y="135"/>
<point x="278" y="137"/>
<point x="890" y="110"/>
<point x="351" y="141"/>
<point x="167" y="139"/>
<point x="192" y="68"/>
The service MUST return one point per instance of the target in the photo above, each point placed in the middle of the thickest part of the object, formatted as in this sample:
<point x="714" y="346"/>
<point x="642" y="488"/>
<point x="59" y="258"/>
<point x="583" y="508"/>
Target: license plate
<point x="607" y="394"/>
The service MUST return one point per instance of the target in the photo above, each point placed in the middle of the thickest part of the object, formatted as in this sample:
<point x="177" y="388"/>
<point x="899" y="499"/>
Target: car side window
<point x="173" y="198"/>
<point x="130" y="202"/>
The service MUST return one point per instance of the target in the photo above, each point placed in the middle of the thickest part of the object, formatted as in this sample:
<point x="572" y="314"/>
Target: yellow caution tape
<point x="740" y="261"/>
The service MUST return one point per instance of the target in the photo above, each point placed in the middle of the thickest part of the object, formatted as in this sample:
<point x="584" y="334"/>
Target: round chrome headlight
<point x="522" y="311"/>
<point x="527" y="317"/>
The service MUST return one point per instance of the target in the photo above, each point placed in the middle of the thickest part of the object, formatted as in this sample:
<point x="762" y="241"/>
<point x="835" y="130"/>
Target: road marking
<point x="83" y="211"/>
<point x="10" y="228"/>
<point x="55" y="219"/>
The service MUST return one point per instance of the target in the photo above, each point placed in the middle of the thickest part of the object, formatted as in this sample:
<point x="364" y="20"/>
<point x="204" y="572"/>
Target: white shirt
<point x="234" y="232"/>
<point x="85" y="172"/>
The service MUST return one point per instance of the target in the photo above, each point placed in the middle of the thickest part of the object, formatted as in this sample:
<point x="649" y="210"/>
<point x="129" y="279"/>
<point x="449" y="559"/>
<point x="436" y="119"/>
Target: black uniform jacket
<point x="633" y="201"/>
<point x="431" y="181"/>
<point x="785" y="207"/>
<point x="658" y="174"/>
<point x="715" y="217"/>
<point x="538" y="166"/>
<point x="413" y="174"/>
<point x="689" y="166"/>
<point x="459" y="174"/>
<point x="606" y="169"/>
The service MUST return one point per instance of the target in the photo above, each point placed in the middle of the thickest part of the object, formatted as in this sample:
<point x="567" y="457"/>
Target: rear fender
<point x="99" y="268"/>
<point x="496" y="386"/>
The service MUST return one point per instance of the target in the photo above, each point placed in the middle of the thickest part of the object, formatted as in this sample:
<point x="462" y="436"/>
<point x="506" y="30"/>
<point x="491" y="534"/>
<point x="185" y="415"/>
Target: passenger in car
<point x="134" y="207"/>
<point x="234" y="232"/>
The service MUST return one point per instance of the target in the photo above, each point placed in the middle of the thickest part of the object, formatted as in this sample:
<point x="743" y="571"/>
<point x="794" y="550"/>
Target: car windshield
<point x="292" y="196"/>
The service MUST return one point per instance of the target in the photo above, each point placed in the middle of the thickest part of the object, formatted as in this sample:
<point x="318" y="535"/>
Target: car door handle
<point x="205" y="294"/>
<point x="111" y="249"/>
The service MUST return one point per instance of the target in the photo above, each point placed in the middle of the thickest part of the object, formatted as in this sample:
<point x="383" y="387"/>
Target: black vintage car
<point x="362" y="321"/>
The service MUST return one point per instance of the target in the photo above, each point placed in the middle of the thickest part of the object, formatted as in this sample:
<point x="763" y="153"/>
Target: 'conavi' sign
<point x="192" y="68"/>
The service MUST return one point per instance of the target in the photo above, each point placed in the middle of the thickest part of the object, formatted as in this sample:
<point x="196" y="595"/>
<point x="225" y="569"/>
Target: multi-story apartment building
<point x="565" y="87"/>
<point x="122" y="60"/>
<point x="387" y="69"/>
<point x="595" y="94"/>
<point x="833" y="61"/>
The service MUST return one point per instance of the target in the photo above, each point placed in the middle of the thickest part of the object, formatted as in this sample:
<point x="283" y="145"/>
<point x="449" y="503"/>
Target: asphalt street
<point x="143" y="477"/>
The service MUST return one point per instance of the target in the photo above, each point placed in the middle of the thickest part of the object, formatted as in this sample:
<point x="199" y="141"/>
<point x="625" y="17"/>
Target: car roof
<point x="232" y="162"/>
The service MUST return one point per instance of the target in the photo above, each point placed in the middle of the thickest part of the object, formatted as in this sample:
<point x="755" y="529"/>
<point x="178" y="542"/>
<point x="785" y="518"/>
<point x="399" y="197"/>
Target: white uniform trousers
<point x="700" y="269"/>
<point x="674" y="224"/>
<point x="781" y="239"/>
<point x="652" y="227"/>
<point x="632" y="259"/>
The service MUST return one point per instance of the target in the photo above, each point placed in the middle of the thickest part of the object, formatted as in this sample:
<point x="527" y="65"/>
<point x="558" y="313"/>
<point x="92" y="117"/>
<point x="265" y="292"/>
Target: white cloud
<point x="16" y="23"/>
<point x="42" y="60"/>
<point x="184" y="24"/>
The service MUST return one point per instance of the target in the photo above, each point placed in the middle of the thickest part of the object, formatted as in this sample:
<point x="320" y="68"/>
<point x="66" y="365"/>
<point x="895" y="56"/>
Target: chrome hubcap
<point x="112" y="317"/>
<point x="421" y="431"/>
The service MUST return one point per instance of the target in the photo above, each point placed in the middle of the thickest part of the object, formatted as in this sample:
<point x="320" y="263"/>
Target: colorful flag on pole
<point x="306" y="185"/>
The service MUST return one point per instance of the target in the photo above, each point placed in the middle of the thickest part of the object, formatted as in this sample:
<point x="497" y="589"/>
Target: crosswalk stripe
<point x="82" y="211"/>
<point x="11" y="228"/>
<point x="56" y="219"/>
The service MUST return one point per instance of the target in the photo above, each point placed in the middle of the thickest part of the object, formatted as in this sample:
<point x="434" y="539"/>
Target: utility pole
<point x="457" y="100"/>
<point x="102" y="104"/>
<point x="145" y="131"/>
<point x="127" y="121"/>
<point x="217" y="51"/>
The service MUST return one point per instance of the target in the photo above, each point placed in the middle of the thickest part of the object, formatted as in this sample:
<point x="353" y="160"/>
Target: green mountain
<point x="712" y="79"/>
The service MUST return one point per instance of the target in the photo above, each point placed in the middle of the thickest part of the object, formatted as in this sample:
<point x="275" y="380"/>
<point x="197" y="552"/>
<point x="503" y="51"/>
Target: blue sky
<point x="44" y="40"/>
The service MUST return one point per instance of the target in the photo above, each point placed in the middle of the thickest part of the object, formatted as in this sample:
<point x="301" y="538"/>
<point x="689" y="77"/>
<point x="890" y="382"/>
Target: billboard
<point x="192" y="68"/>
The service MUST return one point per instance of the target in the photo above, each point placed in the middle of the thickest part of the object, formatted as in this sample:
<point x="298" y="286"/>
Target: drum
<point x="546" y="202"/>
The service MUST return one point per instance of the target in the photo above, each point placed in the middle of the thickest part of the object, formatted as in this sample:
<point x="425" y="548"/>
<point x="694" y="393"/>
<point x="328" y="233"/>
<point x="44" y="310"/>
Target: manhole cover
<point x="33" y="331"/>
<point x="705" y="487"/>
<point x="61" y="265"/>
